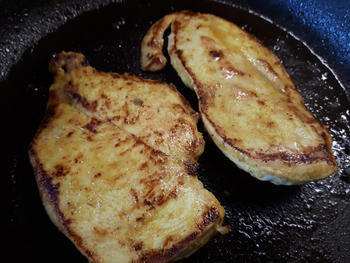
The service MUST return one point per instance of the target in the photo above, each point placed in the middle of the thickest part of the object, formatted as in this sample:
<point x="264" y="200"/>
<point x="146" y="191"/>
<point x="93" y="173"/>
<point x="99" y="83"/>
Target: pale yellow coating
<point x="248" y="103"/>
<point x="113" y="186"/>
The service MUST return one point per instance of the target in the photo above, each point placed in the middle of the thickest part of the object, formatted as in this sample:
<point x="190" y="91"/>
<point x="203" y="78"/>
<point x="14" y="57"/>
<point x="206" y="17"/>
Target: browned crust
<point x="91" y="106"/>
<point x="313" y="155"/>
<point x="51" y="191"/>
<point x="50" y="195"/>
<point x="191" y="167"/>
<point x="154" y="59"/>
<point x="66" y="61"/>
<point x="92" y="125"/>
<point x="165" y="255"/>
<point x="267" y="65"/>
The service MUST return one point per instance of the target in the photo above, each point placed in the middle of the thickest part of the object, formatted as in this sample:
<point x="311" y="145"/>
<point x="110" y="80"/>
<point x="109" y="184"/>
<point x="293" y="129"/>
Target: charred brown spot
<point x="267" y="66"/>
<point x="131" y="119"/>
<point x="157" y="152"/>
<point x="149" y="56"/>
<point x="209" y="217"/>
<point x="134" y="196"/>
<point x="78" y="157"/>
<point x="158" y="133"/>
<point x="144" y="166"/>
<point x="216" y="53"/>
<point x="138" y="102"/>
<point x="148" y="203"/>
<point x="179" y="52"/>
<point x="261" y="102"/>
<point x="271" y="124"/>
<point x="191" y="167"/>
<point x="137" y="142"/>
<point x="115" y="76"/>
<point x="154" y="60"/>
<point x="97" y="175"/>
<point x="92" y="125"/>
<point x="121" y="142"/>
<point x="175" y="130"/>
<point x="289" y="87"/>
<point x="253" y="93"/>
<point x="115" y="118"/>
<point x="140" y="219"/>
<point x="107" y="100"/>
<point x="69" y="134"/>
<point x="138" y="246"/>
<point x="162" y="198"/>
<point x="125" y="151"/>
<point x="60" y="170"/>
<point x="91" y="106"/>
<point x="157" y="156"/>
<point x="173" y="193"/>
<point x="231" y="141"/>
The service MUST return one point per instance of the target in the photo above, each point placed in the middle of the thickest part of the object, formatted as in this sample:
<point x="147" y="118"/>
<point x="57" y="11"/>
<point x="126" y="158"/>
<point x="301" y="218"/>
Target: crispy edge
<point x="227" y="145"/>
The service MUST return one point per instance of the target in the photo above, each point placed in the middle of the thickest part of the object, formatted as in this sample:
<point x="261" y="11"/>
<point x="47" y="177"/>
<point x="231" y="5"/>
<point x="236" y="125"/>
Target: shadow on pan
<point x="308" y="223"/>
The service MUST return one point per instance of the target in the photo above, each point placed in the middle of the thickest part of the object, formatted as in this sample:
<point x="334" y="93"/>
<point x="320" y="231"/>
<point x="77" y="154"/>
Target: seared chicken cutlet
<point x="248" y="103"/>
<point x="115" y="163"/>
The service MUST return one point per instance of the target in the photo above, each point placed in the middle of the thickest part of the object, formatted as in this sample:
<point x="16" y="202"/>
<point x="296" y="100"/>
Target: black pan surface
<point x="307" y="223"/>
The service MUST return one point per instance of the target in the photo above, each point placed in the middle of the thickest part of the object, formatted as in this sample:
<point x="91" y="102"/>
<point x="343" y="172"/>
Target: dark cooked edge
<point x="49" y="192"/>
<point x="306" y="158"/>
<point x="165" y="255"/>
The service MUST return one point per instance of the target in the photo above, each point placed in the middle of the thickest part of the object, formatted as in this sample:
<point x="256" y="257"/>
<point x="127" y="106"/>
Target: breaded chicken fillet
<point x="115" y="163"/>
<point x="248" y="102"/>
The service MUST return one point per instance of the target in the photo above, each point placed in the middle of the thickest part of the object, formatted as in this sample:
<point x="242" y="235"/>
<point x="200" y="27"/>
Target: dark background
<point x="308" y="223"/>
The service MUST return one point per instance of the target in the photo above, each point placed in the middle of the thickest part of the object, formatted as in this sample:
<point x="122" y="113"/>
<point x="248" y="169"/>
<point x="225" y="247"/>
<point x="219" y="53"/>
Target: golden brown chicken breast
<point x="115" y="163"/>
<point x="248" y="103"/>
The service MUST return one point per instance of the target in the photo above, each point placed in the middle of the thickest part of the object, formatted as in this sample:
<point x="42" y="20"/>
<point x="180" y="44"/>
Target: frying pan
<point x="307" y="223"/>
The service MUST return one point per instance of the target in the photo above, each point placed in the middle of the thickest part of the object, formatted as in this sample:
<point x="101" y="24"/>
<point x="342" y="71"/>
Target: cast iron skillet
<point x="307" y="223"/>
